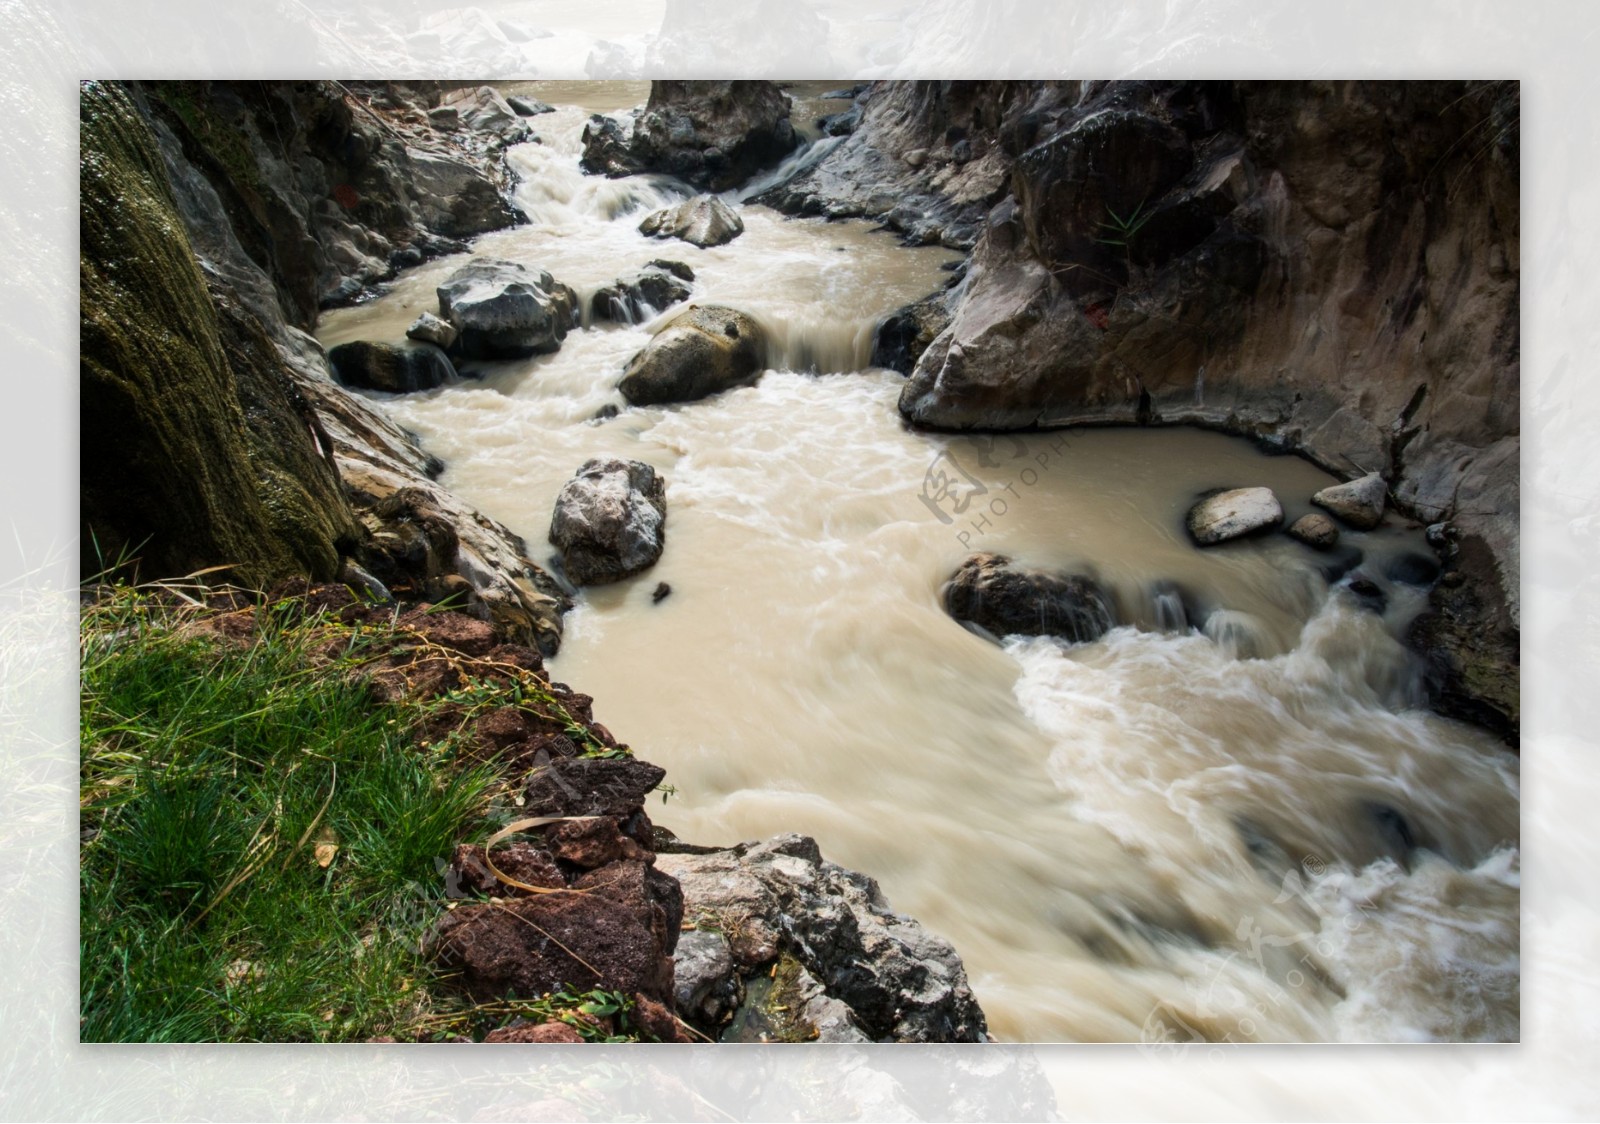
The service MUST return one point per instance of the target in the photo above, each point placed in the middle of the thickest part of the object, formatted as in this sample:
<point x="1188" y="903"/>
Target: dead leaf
<point x="327" y="846"/>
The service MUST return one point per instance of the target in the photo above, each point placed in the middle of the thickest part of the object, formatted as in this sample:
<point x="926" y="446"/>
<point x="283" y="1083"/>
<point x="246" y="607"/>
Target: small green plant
<point x="1122" y="230"/>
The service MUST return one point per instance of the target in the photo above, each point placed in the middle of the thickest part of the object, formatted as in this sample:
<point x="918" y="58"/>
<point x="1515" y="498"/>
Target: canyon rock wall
<point x="1330" y="267"/>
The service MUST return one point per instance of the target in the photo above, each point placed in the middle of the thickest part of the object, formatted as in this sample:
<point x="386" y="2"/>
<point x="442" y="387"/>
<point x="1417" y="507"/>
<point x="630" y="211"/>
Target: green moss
<point x="168" y="471"/>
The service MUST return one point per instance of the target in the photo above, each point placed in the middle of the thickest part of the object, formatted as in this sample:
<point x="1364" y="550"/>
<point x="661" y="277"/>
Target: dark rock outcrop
<point x="714" y="135"/>
<point x="610" y="521"/>
<point x="503" y="310"/>
<point x="703" y="351"/>
<point x="395" y="368"/>
<point x="702" y="221"/>
<point x="906" y="333"/>
<point x="331" y="187"/>
<point x="812" y="950"/>
<point x="990" y="592"/>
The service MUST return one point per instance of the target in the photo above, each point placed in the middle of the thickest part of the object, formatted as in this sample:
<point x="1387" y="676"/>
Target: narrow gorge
<point x="929" y="561"/>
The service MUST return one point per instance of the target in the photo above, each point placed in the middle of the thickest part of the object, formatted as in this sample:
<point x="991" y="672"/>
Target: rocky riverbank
<point x="1331" y="268"/>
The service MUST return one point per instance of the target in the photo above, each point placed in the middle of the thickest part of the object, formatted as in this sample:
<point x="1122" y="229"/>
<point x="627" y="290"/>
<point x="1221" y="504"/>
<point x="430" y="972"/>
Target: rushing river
<point x="1228" y="819"/>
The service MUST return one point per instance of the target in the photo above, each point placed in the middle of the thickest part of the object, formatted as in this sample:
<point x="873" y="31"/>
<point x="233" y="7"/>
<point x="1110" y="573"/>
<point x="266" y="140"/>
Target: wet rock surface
<point x="703" y="351"/>
<point x="503" y="310"/>
<point x="1315" y="530"/>
<point x="395" y="368"/>
<point x="610" y="521"/>
<point x="1358" y="503"/>
<point x="647" y="293"/>
<point x="905" y="334"/>
<point x="990" y="592"/>
<point x="702" y="221"/>
<point x="841" y="965"/>
<point x="1234" y="514"/>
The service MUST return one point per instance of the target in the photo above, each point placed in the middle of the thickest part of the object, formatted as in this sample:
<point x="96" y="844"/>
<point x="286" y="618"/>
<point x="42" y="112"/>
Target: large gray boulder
<point x="704" y="350"/>
<point x="1234" y="514"/>
<point x="633" y="300"/>
<point x="714" y="135"/>
<point x="804" y="950"/>
<point x="702" y="221"/>
<point x="395" y="368"/>
<point x="1358" y="502"/>
<point x="503" y="310"/>
<point x="990" y="592"/>
<point x="610" y="521"/>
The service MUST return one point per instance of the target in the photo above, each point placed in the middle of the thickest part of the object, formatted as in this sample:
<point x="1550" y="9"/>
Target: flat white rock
<point x="1228" y="515"/>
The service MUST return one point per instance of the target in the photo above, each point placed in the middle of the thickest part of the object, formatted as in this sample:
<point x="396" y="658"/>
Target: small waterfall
<point x="818" y="344"/>
<point x="796" y="162"/>
<point x="553" y="191"/>
<point x="1238" y="634"/>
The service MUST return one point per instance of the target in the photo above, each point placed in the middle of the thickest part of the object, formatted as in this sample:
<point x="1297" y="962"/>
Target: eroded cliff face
<point x="331" y="187"/>
<point x="1330" y="267"/>
<point x="194" y="453"/>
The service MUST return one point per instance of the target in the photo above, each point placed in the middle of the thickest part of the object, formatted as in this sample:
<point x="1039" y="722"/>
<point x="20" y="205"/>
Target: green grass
<point x="211" y="772"/>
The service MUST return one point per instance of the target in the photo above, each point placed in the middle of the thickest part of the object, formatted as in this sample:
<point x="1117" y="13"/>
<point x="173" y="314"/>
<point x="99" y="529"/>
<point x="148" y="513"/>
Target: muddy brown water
<point x="1235" y="825"/>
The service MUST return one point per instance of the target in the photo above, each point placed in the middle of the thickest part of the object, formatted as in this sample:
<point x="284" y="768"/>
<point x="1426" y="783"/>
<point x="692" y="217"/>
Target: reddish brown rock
<point x="591" y="842"/>
<point x="653" y="898"/>
<point x="535" y="945"/>
<point x="589" y="786"/>
<point x="457" y="631"/>
<point x="469" y="870"/>
<point x="654" y="1020"/>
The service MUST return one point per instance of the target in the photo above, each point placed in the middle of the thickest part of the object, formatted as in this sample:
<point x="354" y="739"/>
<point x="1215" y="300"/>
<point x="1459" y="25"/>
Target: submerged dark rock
<point x="989" y="592"/>
<point x="632" y="300"/>
<point x="395" y="368"/>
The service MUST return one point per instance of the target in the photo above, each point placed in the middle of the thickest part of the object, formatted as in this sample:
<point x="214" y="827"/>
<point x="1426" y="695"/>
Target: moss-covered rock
<point x="193" y="452"/>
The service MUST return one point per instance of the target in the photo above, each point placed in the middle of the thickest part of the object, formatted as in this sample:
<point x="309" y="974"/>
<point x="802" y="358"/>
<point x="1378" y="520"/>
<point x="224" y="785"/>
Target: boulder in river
<point x="704" y="350"/>
<point x="504" y="311"/>
<point x="990" y="592"/>
<point x="1358" y="502"/>
<point x="714" y="135"/>
<point x="632" y="300"/>
<point x="528" y="107"/>
<point x="1315" y="530"/>
<point x="702" y="221"/>
<point x="396" y="368"/>
<point x="1233" y="514"/>
<point x="428" y="328"/>
<point x="805" y="950"/>
<point x="610" y="521"/>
